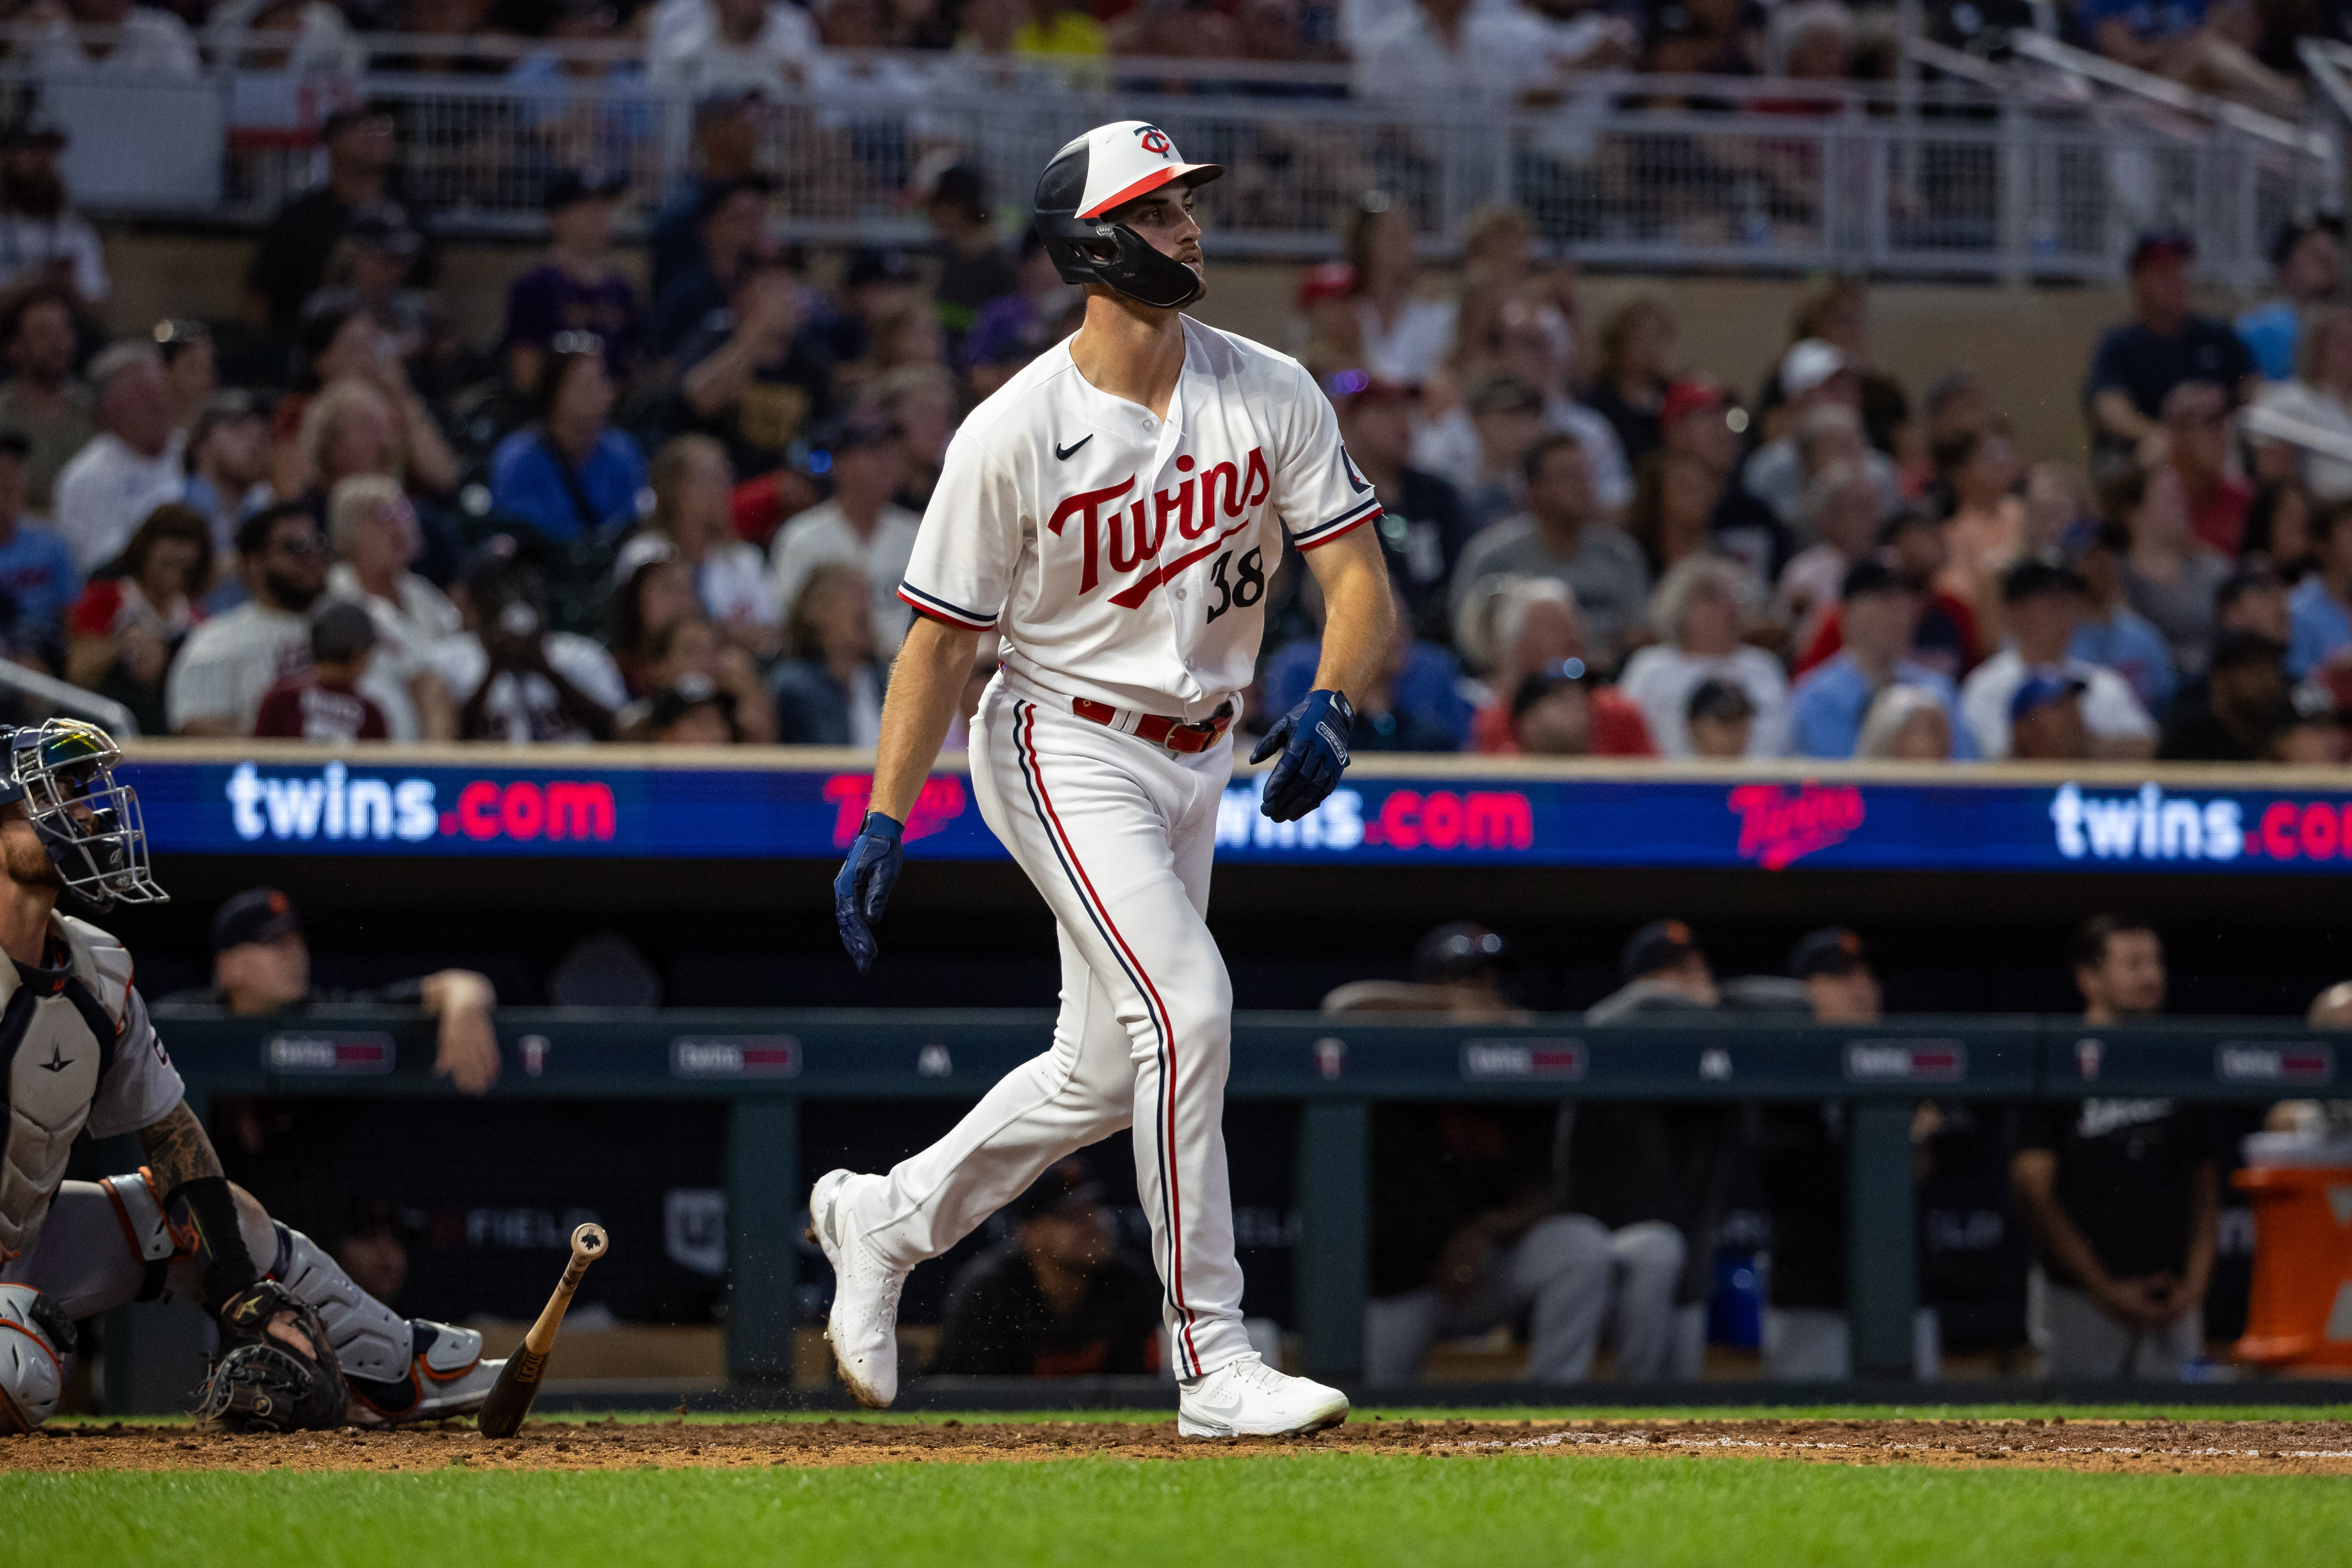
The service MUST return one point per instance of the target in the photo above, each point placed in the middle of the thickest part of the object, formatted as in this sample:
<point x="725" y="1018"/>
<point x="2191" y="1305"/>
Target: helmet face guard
<point x="1092" y="176"/>
<point x="63" y="770"/>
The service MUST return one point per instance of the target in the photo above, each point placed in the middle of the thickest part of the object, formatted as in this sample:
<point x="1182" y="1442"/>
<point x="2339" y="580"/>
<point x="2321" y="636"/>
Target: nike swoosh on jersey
<point x="1063" y="453"/>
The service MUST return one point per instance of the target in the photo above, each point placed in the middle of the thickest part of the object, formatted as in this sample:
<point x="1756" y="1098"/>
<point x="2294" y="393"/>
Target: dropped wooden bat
<point x="518" y="1382"/>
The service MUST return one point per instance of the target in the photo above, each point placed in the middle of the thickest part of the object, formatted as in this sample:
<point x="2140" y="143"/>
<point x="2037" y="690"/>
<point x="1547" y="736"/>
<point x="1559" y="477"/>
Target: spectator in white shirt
<point x="149" y="43"/>
<point x="130" y="467"/>
<point x="516" y="681"/>
<point x="859" y="525"/>
<point x="1824" y="424"/>
<point x="373" y="528"/>
<point x="1382" y="323"/>
<point x="693" y="523"/>
<point x="2044" y="604"/>
<point x="713" y="46"/>
<point x="229" y="662"/>
<point x="1701" y="606"/>
<point x="43" y="240"/>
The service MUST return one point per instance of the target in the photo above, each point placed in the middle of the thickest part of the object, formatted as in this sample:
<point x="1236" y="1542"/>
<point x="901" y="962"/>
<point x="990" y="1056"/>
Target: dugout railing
<point x="773" y="1069"/>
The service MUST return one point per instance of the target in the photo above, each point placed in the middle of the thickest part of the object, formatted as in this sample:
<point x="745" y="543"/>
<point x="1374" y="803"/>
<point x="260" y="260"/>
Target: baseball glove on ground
<point x="258" y="1383"/>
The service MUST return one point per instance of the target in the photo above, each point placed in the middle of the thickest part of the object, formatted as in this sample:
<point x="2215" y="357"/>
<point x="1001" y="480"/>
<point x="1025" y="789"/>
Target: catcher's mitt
<point x="259" y="1382"/>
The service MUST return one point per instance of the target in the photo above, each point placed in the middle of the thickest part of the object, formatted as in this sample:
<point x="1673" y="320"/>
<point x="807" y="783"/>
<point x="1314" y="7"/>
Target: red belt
<point x="1173" y="733"/>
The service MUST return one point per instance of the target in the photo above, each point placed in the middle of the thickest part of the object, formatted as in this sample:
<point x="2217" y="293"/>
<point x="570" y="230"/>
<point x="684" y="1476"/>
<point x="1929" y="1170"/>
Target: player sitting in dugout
<point x="301" y="1346"/>
<point x="1059" y="1296"/>
<point x="261" y="964"/>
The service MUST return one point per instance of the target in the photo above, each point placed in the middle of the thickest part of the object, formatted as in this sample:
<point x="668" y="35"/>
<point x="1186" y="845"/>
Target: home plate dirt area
<point x="2145" y="1447"/>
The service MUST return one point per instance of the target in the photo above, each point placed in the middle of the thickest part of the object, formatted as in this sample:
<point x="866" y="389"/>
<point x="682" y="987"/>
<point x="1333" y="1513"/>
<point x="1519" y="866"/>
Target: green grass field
<point x="1224" y="1513"/>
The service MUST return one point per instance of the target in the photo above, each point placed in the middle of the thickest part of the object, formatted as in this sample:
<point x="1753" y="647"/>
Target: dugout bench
<point x="770" y="1068"/>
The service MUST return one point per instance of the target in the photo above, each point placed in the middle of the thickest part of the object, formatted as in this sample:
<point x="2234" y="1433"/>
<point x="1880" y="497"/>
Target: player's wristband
<point x="211" y="1206"/>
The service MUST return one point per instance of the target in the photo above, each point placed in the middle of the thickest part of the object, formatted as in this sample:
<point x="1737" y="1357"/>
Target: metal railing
<point x="1629" y="170"/>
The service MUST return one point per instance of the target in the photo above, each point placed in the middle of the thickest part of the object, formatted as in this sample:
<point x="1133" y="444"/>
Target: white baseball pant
<point x="1117" y="834"/>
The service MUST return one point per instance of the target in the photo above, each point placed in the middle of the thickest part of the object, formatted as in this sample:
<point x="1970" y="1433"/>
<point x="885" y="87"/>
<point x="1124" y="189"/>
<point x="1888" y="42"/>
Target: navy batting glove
<point x="1312" y="741"/>
<point x="863" y="888"/>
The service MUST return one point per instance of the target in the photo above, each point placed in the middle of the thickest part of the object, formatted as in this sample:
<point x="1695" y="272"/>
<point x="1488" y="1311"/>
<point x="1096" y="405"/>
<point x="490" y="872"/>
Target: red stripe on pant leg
<point x="1166" y="1034"/>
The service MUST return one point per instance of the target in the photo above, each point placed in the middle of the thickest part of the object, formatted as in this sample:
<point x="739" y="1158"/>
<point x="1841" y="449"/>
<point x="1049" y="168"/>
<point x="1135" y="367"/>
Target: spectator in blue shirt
<point x="36" y="570"/>
<point x="2307" y="258"/>
<point x="2112" y="633"/>
<point x="1879" y="611"/>
<point x="571" y="474"/>
<point x="2320" y="608"/>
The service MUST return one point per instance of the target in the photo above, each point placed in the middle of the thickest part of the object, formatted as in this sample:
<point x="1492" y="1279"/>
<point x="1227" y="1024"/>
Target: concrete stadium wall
<point x="2031" y="344"/>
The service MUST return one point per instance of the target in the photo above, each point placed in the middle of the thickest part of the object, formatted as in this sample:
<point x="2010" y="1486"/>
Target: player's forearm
<point x="177" y="1149"/>
<point x="2204" y="1231"/>
<point x="926" y="682"/>
<point x="1361" y="614"/>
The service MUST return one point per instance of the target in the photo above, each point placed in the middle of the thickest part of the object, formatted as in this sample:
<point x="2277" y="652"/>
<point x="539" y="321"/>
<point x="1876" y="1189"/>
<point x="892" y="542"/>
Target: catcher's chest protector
<point x="57" y="1043"/>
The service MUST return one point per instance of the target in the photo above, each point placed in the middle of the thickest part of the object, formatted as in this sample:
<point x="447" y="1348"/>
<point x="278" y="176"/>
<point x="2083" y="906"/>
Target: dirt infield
<point x="2152" y="1446"/>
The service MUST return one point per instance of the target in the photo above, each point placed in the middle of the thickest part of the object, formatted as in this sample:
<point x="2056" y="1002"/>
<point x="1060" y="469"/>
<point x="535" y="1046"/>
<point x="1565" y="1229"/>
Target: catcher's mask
<point x="1108" y="167"/>
<point x="63" y="770"/>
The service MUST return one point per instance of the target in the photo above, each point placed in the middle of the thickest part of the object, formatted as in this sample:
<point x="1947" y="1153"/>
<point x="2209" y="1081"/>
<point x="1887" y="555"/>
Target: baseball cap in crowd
<point x="1660" y="945"/>
<point x="2236" y="647"/>
<point x="343" y="120"/>
<point x="691" y="691"/>
<point x="1871" y="575"/>
<point x="2035" y="578"/>
<point x="1505" y="394"/>
<point x="32" y="128"/>
<point x="2294" y="231"/>
<point x="570" y="187"/>
<point x="1832" y="950"/>
<point x="1687" y="396"/>
<point x="1324" y="282"/>
<point x="962" y="185"/>
<point x="2252" y="575"/>
<point x="1069" y="1187"/>
<point x="874" y="264"/>
<point x="2038" y="692"/>
<point x="340" y="633"/>
<point x="849" y="433"/>
<point x="383" y="226"/>
<point x="225" y="406"/>
<point x="257" y="914"/>
<point x="1456" y="951"/>
<point x="1809" y="363"/>
<point x="1904" y="519"/>
<point x="2161" y="245"/>
<point x="1722" y="700"/>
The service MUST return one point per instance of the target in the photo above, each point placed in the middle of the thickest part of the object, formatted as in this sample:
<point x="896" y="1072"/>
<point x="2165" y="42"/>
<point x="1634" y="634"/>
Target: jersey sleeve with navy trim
<point x="970" y="540"/>
<point x="141" y="1085"/>
<point x="1317" y="491"/>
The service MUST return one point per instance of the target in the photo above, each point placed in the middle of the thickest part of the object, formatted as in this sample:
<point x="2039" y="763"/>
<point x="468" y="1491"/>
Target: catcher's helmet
<point x="1106" y="168"/>
<point x="63" y="770"/>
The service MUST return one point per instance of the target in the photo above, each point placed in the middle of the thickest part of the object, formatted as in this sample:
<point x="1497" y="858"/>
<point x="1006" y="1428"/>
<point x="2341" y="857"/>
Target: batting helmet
<point x="1106" y="168"/>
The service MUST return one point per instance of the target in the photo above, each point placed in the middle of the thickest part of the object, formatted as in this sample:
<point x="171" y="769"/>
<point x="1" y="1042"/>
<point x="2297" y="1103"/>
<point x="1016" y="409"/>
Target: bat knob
<point x="589" y="1241"/>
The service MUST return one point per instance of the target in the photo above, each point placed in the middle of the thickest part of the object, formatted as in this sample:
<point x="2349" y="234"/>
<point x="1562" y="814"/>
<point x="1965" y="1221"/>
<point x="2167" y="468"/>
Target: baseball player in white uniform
<point x="1110" y="519"/>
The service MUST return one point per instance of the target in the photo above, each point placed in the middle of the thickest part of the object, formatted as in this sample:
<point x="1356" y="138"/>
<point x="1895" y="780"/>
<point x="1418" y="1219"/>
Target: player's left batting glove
<point x="1312" y="741"/>
<point x="863" y="888"/>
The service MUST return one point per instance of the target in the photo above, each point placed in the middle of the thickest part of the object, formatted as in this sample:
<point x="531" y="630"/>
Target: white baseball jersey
<point x="1124" y="558"/>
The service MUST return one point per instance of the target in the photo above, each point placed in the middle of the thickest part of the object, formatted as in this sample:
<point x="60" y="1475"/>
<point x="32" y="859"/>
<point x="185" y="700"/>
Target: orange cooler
<point x="2300" y="1312"/>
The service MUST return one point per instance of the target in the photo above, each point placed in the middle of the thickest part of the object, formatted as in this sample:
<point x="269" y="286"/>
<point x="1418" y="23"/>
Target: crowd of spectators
<point x="679" y="513"/>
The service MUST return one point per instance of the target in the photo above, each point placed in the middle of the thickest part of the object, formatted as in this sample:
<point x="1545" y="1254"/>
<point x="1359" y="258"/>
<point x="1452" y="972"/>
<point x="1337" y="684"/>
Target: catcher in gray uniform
<point x="300" y="1346"/>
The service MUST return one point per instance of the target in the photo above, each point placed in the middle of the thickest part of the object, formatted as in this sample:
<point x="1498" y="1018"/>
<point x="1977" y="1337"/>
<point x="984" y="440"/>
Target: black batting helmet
<point x="1107" y="168"/>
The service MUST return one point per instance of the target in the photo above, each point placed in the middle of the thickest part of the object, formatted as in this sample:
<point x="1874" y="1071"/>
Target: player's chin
<point x="1200" y="271"/>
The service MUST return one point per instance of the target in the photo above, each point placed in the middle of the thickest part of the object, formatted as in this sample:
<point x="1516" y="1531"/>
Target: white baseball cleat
<point x="1247" y="1398"/>
<point x="864" y="1327"/>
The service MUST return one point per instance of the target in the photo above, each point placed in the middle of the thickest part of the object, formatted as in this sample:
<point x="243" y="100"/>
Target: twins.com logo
<point x="331" y="803"/>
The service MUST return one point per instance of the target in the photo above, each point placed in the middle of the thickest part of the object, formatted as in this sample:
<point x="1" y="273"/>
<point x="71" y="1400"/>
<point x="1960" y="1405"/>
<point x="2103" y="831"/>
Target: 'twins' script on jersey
<point x="1137" y="532"/>
<point x="1122" y="557"/>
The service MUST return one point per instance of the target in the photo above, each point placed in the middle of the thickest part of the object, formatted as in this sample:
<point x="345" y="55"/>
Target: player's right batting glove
<point x="863" y="888"/>
<point x="1312" y="741"/>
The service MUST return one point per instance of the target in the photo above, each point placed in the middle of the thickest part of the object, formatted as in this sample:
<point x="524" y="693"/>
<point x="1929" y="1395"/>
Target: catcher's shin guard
<point x="35" y="1337"/>
<point x="398" y="1369"/>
